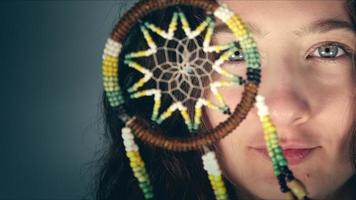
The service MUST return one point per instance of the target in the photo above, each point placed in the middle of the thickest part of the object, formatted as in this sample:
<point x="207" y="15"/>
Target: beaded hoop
<point x="135" y="126"/>
<point x="139" y="126"/>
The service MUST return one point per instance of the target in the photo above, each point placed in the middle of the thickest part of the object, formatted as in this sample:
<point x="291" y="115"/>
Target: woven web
<point x="183" y="69"/>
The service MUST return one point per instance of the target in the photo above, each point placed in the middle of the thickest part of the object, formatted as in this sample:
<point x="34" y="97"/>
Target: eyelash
<point x="347" y="51"/>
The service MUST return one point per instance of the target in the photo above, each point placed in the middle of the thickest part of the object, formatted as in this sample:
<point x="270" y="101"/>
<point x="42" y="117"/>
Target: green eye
<point x="237" y="56"/>
<point x="329" y="51"/>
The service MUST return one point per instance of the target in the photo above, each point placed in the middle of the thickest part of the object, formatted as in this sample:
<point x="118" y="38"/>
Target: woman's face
<point x="310" y="96"/>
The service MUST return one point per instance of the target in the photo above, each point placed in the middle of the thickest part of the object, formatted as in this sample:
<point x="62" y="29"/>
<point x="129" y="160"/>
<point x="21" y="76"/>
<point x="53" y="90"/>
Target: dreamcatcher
<point x="181" y="71"/>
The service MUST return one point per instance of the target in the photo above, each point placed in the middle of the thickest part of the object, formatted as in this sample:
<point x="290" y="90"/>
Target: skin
<point x="310" y="99"/>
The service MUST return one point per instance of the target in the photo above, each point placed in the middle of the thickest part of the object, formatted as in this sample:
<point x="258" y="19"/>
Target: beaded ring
<point x="146" y="129"/>
<point x="115" y="93"/>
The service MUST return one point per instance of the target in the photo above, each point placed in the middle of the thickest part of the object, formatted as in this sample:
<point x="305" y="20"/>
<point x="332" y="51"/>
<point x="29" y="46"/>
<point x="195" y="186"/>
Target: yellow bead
<point x="132" y="154"/>
<point x="297" y="188"/>
<point x="265" y="119"/>
<point x="289" y="196"/>
<point x="271" y="129"/>
<point x="133" y="165"/>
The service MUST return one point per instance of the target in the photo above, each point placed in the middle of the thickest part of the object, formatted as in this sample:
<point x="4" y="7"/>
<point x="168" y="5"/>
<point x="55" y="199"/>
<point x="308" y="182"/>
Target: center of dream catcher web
<point x="183" y="68"/>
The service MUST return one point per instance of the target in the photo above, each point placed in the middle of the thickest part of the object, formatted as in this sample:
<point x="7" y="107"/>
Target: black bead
<point x="282" y="183"/>
<point x="289" y="174"/>
<point x="284" y="189"/>
<point x="258" y="71"/>
<point x="281" y="177"/>
<point x="154" y="125"/>
<point x="227" y="111"/>
<point x="254" y="78"/>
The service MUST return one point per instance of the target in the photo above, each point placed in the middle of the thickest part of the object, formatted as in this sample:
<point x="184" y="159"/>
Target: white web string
<point x="180" y="74"/>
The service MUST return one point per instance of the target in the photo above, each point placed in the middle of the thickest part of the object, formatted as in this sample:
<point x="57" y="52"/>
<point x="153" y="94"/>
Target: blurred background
<point x="50" y="121"/>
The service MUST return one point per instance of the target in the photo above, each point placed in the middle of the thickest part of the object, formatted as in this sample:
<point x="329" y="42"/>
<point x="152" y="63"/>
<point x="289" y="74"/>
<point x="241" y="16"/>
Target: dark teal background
<point x="50" y="77"/>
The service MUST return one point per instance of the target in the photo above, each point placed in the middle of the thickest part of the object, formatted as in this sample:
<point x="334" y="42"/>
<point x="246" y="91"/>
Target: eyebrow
<point x="326" y="25"/>
<point x="318" y="26"/>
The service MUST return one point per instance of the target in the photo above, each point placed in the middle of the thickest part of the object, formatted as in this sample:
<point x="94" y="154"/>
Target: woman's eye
<point x="328" y="51"/>
<point x="237" y="56"/>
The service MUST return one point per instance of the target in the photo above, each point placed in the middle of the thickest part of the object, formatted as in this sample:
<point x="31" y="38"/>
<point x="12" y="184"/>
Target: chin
<point x="263" y="191"/>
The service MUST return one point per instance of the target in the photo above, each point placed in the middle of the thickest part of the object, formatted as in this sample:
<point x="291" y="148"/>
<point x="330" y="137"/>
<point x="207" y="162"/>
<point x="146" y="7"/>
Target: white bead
<point x="128" y="143"/>
<point x="260" y="98"/>
<point x="216" y="173"/>
<point x="133" y="147"/>
<point x="210" y="155"/>
<point x="262" y="114"/>
<point x="111" y="52"/>
<point x="262" y="111"/>
<point x="126" y="130"/>
<point x="223" y="13"/>
<point x="114" y="43"/>
<point x="210" y="163"/>
<point x="127" y="136"/>
<point x="112" y="48"/>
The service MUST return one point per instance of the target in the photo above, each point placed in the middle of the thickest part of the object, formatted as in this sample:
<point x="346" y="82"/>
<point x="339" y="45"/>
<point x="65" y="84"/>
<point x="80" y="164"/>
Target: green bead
<point x="143" y="184"/>
<point x="149" y="195"/>
<point x="274" y="137"/>
<point x="279" y="157"/>
<point x="137" y="174"/>
<point x="221" y="197"/>
<point x="141" y="178"/>
<point x="147" y="189"/>
<point x="283" y="163"/>
<point x="273" y="141"/>
<point x="277" y="172"/>
<point x="277" y="151"/>
<point x="137" y="169"/>
<point x="275" y="165"/>
<point x="274" y="160"/>
<point x="254" y="66"/>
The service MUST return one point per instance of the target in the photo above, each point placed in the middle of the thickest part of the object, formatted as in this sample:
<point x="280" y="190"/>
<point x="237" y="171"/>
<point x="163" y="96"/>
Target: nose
<point x="283" y="88"/>
<point x="286" y="107"/>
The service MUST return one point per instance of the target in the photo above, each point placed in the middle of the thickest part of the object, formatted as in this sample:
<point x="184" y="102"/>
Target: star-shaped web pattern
<point x="183" y="69"/>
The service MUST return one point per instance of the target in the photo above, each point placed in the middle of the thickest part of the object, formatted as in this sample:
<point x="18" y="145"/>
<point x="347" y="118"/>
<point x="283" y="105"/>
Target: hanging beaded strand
<point x="110" y="72"/>
<point x="136" y="163"/>
<point x="212" y="167"/>
<point x="288" y="183"/>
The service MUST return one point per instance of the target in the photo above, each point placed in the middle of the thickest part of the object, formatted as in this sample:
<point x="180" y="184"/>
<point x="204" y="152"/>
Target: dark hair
<point x="174" y="175"/>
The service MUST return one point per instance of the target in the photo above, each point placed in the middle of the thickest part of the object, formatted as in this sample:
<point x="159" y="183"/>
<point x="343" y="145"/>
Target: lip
<point x="294" y="156"/>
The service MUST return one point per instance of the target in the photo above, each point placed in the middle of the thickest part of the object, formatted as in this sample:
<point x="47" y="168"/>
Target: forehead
<point x="268" y="14"/>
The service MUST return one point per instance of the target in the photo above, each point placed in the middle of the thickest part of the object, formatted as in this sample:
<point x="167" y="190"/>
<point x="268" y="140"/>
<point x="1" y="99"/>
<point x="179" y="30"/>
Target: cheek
<point x="331" y="98"/>
<point x="337" y="122"/>
<point x="333" y="110"/>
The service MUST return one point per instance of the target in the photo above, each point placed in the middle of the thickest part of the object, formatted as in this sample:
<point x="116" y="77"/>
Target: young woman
<point x="309" y="81"/>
